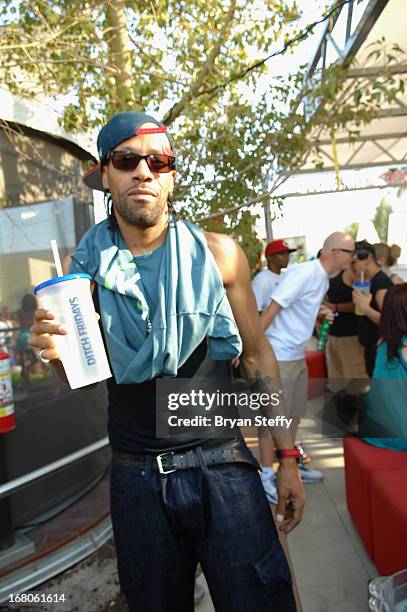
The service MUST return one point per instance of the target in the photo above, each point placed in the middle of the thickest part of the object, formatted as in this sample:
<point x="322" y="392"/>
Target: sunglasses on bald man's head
<point x="127" y="161"/>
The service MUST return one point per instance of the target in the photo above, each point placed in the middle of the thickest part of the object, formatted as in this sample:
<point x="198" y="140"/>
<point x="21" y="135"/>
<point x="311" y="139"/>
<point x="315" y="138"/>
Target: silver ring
<point x="39" y="356"/>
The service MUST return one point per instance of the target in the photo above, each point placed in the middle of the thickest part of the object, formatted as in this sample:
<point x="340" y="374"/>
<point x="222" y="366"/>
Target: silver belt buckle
<point x="160" y="463"/>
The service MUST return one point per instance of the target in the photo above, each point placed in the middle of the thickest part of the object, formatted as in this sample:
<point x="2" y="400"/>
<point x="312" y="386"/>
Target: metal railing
<point x="24" y="481"/>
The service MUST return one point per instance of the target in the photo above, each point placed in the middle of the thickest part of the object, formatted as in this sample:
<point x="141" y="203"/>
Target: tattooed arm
<point x="259" y="363"/>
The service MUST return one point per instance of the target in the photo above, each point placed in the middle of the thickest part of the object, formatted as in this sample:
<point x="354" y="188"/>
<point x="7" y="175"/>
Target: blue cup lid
<point x="60" y="279"/>
<point x="360" y="284"/>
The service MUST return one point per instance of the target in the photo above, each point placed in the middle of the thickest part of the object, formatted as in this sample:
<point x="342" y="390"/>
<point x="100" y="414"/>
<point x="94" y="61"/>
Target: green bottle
<point x="323" y="335"/>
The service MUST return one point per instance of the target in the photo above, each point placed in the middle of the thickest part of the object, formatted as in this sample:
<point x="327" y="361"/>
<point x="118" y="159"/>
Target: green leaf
<point x="198" y="56"/>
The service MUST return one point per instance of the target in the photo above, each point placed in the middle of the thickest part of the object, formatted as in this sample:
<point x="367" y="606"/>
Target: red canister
<point x="7" y="416"/>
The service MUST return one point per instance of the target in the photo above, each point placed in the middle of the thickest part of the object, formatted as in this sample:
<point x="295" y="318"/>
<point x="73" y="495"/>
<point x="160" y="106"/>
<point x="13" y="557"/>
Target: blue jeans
<point x="164" y="524"/>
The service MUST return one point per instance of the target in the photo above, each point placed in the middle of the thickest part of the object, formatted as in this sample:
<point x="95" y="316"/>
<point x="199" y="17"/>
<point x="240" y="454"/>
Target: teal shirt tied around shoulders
<point x="154" y="322"/>
<point x="386" y="403"/>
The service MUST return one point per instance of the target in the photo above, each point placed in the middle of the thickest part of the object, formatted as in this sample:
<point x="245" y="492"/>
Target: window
<point x="42" y="197"/>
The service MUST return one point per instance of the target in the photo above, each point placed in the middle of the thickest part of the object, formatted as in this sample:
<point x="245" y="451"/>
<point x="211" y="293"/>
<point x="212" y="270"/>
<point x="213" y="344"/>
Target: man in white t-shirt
<point x="277" y="254"/>
<point x="263" y="284"/>
<point x="289" y="321"/>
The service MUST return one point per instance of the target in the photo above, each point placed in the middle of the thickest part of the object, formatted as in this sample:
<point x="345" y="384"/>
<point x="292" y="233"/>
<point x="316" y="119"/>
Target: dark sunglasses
<point x="126" y="161"/>
<point x="362" y="254"/>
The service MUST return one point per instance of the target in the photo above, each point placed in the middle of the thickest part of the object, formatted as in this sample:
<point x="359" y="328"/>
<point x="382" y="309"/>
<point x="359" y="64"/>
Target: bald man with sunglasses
<point x="289" y="319"/>
<point x="167" y="293"/>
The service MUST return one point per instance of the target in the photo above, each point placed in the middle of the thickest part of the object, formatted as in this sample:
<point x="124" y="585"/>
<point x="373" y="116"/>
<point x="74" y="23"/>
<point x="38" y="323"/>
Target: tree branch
<point x="287" y="45"/>
<point x="226" y="211"/>
<point x="179" y="106"/>
<point x="39" y="42"/>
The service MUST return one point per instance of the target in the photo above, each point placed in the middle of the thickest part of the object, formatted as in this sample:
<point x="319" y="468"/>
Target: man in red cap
<point x="277" y="255"/>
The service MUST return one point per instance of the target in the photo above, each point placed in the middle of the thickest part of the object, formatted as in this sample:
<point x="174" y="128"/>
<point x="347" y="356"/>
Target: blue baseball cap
<point x="120" y="127"/>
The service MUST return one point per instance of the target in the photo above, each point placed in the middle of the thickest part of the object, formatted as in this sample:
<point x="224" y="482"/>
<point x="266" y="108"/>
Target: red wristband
<point x="281" y="453"/>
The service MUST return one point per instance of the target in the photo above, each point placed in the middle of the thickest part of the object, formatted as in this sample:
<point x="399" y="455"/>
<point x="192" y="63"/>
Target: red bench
<point x="389" y="520"/>
<point x="362" y="460"/>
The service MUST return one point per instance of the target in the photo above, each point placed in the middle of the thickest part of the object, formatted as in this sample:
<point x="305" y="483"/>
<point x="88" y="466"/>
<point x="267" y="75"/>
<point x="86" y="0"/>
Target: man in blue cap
<point x="168" y="293"/>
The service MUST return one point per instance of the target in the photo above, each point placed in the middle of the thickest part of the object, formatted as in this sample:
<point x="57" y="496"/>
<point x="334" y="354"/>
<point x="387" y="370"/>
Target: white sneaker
<point x="309" y="476"/>
<point x="269" y="486"/>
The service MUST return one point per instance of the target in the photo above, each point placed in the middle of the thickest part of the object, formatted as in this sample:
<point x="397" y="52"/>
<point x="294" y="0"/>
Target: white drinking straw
<point x="362" y="277"/>
<point x="57" y="259"/>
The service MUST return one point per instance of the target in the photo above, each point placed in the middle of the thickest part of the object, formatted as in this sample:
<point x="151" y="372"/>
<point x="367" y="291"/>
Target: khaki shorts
<point x="294" y="377"/>
<point x="345" y="362"/>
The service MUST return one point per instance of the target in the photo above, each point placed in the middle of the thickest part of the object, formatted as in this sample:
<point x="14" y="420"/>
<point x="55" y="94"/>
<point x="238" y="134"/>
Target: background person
<point x="386" y="257"/>
<point x="289" y="322"/>
<point x="370" y="305"/>
<point x="179" y="501"/>
<point x="25" y="317"/>
<point x="384" y="420"/>
<point x="263" y="284"/>
<point x="344" y="354"/>
<point x="6" y="330"/>
<point x="277" y="255"/>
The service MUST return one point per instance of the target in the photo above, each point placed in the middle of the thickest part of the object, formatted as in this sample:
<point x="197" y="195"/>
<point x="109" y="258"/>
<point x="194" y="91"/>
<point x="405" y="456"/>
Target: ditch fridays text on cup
<point x="82" y="331"/>
<point x="218" y="399"/>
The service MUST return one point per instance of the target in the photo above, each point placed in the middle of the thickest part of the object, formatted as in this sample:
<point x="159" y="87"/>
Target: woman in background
<point x="25" y="316"/>
<point x="386" y="257"/>
<point x="364" y="266"/>
<point x="385" y="417"/>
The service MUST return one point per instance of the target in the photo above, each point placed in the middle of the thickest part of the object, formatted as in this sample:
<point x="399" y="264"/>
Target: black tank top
<point x="368" y="331"/>
<point x="345" y="324"/>
<point x="132" y="408"/>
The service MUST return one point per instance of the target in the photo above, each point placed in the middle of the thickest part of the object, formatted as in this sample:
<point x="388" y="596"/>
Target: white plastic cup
<point x="82" y="350"/>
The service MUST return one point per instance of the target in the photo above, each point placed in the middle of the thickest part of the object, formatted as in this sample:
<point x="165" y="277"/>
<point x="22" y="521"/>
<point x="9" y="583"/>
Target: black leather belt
<point x="171" y="461"/>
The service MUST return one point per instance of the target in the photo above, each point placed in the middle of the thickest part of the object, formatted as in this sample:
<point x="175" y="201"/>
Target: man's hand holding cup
<point x="42" y="340"/>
